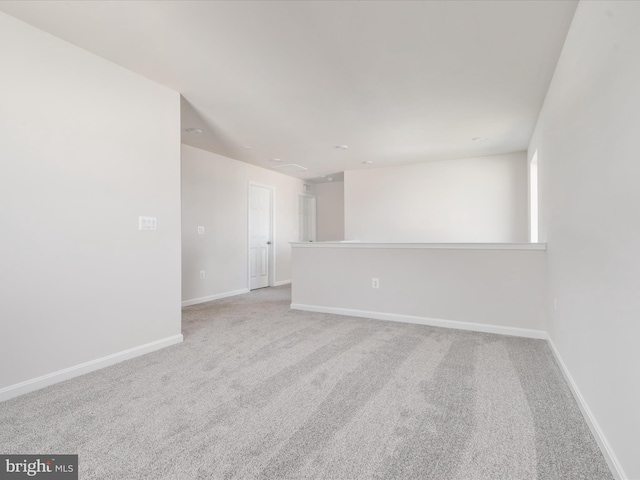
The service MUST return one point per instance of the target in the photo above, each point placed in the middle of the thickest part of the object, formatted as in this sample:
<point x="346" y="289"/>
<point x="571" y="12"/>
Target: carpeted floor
<point x="257" y="391"/>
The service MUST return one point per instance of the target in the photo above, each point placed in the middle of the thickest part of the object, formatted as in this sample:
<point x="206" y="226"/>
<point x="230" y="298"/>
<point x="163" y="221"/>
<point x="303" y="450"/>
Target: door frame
<point x="271" y="257"/>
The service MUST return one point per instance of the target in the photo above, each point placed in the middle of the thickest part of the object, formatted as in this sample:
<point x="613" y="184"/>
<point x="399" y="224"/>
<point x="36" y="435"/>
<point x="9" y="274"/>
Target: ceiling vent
<point x="289" y="168"/>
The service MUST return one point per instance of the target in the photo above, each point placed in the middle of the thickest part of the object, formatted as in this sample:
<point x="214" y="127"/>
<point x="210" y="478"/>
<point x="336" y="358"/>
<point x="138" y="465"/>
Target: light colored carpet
<point x="257" y="391"/>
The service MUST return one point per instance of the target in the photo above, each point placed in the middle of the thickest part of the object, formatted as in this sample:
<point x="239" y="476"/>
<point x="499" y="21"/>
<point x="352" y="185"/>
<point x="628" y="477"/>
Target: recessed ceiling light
<point x="195" y="131"/>
<point x="478" y="139"/>
<point x="368" y="162"/>
<point x="275" y="160"/>
<point x="342" y="147"/>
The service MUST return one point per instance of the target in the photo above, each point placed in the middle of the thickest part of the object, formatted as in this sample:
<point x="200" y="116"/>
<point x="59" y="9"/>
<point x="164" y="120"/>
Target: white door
<point x="260" y="200"/>
<point x="306" y="218"/>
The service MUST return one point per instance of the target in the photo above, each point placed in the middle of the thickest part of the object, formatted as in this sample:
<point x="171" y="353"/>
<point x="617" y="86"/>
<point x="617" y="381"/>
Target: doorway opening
<point x="306" y="218"/>
<point x="533" y="198"/>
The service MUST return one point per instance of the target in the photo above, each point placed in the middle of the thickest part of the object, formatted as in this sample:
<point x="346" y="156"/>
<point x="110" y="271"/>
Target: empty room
<point x="333" y="240"/>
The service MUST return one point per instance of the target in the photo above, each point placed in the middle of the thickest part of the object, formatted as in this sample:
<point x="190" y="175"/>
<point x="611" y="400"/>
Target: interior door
<point x="260" y="201"/>
<point x="306" y="218"/>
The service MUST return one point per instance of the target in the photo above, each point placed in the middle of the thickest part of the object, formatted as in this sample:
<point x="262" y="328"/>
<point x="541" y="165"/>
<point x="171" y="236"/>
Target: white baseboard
<point x="195" y="301"/>
<point x="433" y="322"/>
<point x="65" y="374"/>
<point x="282" y="282"/>
<point x="605" y="448"/>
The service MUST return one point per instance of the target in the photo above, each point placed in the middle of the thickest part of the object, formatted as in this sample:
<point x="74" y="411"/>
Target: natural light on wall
<point x="533" y="197"/>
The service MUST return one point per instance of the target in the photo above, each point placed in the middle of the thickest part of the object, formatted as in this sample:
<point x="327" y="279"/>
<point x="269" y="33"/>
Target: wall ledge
<point x="434" y="246"/>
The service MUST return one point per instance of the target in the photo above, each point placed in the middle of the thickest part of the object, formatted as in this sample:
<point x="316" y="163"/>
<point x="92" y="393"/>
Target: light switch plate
<point x="147" y="223"/>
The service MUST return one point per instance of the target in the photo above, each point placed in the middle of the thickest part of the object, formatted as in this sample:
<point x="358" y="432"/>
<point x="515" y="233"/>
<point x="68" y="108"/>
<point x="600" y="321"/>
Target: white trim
<point x="437" y="246"/>
<point x="67" y="373"/>
<point x="217" y="296"/>
<point x="598" y="434"/>
<point x="433" y="322"/>
<point x="282" y="282"/>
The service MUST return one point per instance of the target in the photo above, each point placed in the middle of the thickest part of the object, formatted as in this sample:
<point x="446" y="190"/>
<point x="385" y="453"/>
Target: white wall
<point x="469" y="200"/>
<point x="329" y="211"/>
<point x="86" y="147"/>
<point x="587" y="143"/>
<point x="215" y="195"/>
<point x="477" y="288"/>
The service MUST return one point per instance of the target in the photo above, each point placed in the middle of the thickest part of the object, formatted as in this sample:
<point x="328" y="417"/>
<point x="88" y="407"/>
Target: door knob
<point x="268" y="243"/>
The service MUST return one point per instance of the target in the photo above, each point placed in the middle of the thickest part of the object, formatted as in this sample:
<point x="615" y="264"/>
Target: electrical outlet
<point x="201" y="273"/>
<point x="375" y="283"/>
<point x="200" y="230"/>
